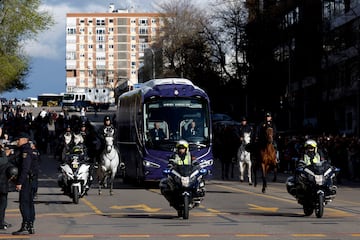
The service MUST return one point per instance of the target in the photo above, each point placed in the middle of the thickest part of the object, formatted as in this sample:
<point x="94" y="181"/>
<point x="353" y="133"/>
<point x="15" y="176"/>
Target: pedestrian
<point x="7" y="173"/>
<point x="28" y="173"/>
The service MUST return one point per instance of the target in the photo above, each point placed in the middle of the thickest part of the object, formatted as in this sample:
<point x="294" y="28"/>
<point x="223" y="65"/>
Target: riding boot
<point x="24" y="230"/>
<point x="31" y="228"/>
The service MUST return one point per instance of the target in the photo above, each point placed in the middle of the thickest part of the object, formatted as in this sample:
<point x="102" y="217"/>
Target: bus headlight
<point x="150" y="164"/>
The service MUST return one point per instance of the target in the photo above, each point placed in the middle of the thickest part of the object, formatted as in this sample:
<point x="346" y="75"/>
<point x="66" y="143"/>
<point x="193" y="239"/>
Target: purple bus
<point x="172" y="104"/>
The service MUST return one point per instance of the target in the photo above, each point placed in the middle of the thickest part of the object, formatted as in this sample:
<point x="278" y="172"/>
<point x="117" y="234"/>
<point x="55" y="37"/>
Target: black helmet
<point x="12" y="171"/>
<point x="267" y="114"/>
<point x="107" y="118"/>
<point x="243" y="118"/>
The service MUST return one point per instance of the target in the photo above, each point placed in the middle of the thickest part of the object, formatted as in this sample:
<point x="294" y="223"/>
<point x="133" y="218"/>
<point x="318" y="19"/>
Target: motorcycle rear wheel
<point x="319" y="210"/>
<point x="186" y="207"/>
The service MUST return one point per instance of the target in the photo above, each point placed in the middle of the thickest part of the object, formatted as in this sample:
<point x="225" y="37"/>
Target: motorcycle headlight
<point x="319" y="179"/>
<point x="185" y="181"/>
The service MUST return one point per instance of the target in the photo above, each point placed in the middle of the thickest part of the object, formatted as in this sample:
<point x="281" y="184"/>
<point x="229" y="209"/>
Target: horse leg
<point x="241" y="170"/>
<point x="263" y="175"/>
<point x="249" y="167"/>
<point x="100" y="178"/>
<point x="254" y="172"/>
<point x="275" y="172"/>
<point x="112" y="183"/>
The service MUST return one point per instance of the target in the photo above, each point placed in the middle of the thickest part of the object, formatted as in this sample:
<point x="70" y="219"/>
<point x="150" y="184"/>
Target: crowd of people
<point x="25" y="137"/>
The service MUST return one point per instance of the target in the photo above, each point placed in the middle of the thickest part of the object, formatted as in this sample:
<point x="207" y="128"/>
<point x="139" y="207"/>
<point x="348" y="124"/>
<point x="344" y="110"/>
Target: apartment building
<point x="105" y="50"/>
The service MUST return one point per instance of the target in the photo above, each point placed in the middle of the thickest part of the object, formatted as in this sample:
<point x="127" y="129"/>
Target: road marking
<point x="260" y="208"/>
<point x="92" y="206"/>
<point x="308" y="235"/>
<point x="335" y="212"/>
<point x="141" y="207"/>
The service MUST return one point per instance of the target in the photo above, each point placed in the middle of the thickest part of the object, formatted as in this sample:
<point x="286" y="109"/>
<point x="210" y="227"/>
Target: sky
<point x="47" y="52"/>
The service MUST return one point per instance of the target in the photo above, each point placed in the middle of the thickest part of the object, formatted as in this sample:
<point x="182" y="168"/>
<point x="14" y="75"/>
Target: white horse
<point x="244" y="159"/>
<point x="110" y="160"/>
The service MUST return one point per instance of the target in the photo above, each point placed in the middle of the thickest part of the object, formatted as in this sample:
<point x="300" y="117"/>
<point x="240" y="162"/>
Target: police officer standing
<point x="28" y="173"/>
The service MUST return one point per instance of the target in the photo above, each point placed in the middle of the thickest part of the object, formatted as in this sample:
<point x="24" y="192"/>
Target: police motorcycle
<point x="75" y="174"/>
<point x="313" y="186"/>
<point x="184" y="185"/>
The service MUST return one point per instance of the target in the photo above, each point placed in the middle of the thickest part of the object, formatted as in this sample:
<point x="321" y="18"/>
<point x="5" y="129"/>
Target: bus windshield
<point x="168" y="120"/>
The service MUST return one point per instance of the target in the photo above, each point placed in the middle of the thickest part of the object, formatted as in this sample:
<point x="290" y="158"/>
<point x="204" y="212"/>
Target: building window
<point x="100" y="22"/>
<point x="143" y="30"/>
<point x="143" y="21"/>
<point x="71" y="31"/>
<point x="100" y="31"/>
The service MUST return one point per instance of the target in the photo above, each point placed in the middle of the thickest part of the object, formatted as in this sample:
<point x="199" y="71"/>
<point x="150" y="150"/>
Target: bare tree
<point x="184" y="48"/>
<point x="227" y="35"/>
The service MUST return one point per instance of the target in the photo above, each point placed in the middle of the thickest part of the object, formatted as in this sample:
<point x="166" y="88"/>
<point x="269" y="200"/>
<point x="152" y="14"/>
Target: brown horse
<point x="266" y="159"/>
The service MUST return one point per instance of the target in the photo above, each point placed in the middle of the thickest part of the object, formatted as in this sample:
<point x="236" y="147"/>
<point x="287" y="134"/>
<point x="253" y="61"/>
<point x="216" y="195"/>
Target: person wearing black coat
<point x="28" y="166"/>
<point x="4" y="185"/>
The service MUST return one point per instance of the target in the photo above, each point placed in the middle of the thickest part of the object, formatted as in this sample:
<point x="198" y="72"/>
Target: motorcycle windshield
<point x="184" y="170"/>
<point x="319" y="168"/>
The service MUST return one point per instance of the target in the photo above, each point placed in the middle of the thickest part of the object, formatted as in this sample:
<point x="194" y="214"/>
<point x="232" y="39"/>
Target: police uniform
<point x="28" y="173"/>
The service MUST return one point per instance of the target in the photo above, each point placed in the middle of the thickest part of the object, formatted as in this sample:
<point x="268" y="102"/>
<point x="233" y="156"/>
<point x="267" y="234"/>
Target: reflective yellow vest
<point x="316" y="159"/>
<point x="178" y="161"/>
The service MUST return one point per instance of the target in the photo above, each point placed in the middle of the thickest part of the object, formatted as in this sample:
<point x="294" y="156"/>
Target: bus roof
<point x="154" y="86"/>
<point x="163" y="81"/>
<point x="50" y="94"/>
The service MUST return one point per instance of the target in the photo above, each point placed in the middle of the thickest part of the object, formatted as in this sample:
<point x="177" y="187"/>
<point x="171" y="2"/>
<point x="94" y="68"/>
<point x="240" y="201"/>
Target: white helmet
<point x="182" y="144"/>
<point x="310" y="144"/>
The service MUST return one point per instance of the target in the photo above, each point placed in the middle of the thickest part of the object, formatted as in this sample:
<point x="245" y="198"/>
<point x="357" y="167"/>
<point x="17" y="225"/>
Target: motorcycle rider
<point x="311" y="153"/>
<point x="181" y="156"/>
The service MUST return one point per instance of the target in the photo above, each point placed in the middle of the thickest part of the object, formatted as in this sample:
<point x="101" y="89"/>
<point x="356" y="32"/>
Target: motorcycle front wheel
<point x="75" y="195"/>
<point x="186" y="207"/>
<point x="319" y="210"/>
<point x="308" y="209"/>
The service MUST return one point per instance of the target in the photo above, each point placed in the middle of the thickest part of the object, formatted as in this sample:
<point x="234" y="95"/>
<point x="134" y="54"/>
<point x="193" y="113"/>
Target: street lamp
<point x="153" y="62"/>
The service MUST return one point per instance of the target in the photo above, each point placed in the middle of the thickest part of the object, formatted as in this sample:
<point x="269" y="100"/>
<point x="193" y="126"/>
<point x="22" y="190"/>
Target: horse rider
<point x="245" y="128"/>
<point x="244" y="148"/>
<point x="107" y="129"/>
<point x="261" y="131"/>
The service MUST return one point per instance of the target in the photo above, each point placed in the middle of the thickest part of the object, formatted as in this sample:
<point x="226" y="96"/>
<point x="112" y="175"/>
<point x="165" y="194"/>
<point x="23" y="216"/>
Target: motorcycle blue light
<point x="203" y="171"/>
<point x="166" y="171"/>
